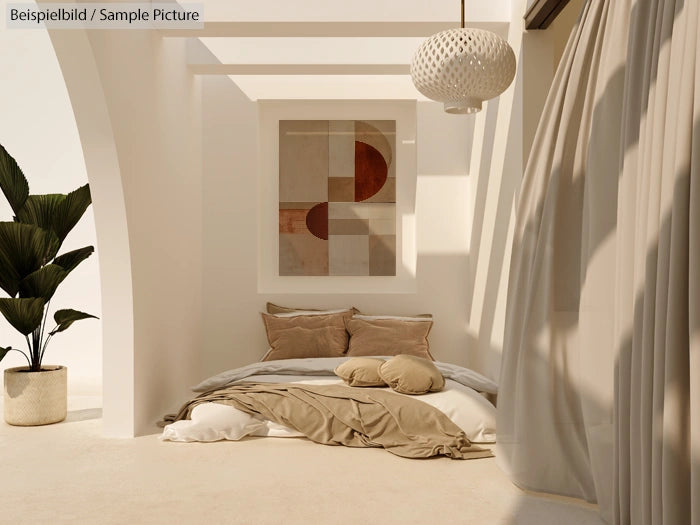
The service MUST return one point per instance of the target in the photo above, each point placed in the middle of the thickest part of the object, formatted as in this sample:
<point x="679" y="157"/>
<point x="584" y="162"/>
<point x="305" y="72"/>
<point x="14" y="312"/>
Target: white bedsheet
<point x="468" y="409"/>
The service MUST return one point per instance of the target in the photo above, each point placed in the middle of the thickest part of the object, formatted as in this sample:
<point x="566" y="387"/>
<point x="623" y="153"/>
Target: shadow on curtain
<point x="600" y="362"/>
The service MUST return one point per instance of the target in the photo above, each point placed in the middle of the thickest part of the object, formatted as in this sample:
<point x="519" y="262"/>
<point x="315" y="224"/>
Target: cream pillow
<point x="299" y="336"/>
<point x="370" y="336"/>
<point x="361" y="371"/>
<point x="409" y="374"/>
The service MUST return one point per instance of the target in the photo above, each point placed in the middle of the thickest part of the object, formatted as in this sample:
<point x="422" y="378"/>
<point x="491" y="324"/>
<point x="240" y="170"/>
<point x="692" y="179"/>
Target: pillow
<point x="312" y="312"/>
<point x="212" y="422"/>
<point x="413" y="375"/>
<point x="277" y="309"/>
<point x="361" y="371"/>
<point x="368" y="316"/>
<point x="298" y="336"/>
<point x="272" y="308"/>
<point x="408" y="335"/>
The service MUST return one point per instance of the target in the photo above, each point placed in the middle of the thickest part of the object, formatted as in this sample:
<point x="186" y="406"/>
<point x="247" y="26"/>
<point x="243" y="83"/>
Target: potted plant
<point x="30" y="272"/>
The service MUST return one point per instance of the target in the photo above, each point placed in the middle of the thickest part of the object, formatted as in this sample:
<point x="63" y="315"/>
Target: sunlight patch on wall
<point x="444" y="218"/>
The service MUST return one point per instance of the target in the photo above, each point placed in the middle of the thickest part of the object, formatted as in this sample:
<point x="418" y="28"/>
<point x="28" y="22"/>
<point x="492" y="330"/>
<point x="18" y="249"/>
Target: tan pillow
<point x="273" y="308"/>
<point x="361" y="371"/>
<point x="379" y="316"/>
<point x="388" y="337"/>
<point x="277" y="309"/>
<point x="409" y="374"/>
<point x="306" y="336"/>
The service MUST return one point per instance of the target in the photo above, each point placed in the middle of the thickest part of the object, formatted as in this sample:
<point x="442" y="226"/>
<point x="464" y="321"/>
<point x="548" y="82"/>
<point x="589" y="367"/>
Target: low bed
<point x="399" y="400"/>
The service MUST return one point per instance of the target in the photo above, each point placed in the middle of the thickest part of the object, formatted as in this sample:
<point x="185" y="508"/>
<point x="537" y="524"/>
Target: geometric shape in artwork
<point x="361" y="210"/>
<point x="341" y="149"/>
<point x="382" y="226"/>
<point x="348" y="227"/>
<point x="296" y="205"/>
<point x="348" y="255"/>
<point x="386" y="194"/>
<point x="326" y="168"/>
<point x="341" y="189"/>
<point x="377" y="135"/>
<point x="293" y="221"/>
<point x="317" y="220"/>
<point x="303" y="160"/>
<point x="371" y="171"/>
<point x="382" y="255"/>
<point x="302" y="254"/>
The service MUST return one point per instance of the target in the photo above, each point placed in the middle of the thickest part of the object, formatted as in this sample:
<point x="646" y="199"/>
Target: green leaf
<point x="4" y="352"/>
<point x="40" y="210"/>
<point x="71" y="210"/>
<point x="65" y="318"/>
<point x="25" y="315"/>
<point x="12" y="181"/>
<point x="24" y="248"/>
<point x="43" y="282"/>
<point x="56" y="212"/>
<point x="70" y="260"/>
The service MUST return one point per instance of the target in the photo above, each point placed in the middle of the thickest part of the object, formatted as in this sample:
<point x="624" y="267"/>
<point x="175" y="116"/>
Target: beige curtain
<point x="600" y="373"/>
<point x="657" y="332"/>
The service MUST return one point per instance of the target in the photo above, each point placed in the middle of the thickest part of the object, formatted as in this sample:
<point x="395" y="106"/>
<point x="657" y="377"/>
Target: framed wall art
<point x="337" y="197"/>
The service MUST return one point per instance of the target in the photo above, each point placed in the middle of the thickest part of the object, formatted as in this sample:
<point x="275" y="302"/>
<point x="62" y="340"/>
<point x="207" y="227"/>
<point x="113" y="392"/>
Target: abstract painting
<point x="337" y="197"/>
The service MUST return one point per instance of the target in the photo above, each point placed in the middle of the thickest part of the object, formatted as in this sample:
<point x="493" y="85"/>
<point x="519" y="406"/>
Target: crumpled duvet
<point x="342" y="415"/>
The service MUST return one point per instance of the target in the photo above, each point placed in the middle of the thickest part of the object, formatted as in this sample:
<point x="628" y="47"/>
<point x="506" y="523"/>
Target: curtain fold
<point x="657" y="447"/>
<point x="555" y="394"/>
<point x="600" y="378"/>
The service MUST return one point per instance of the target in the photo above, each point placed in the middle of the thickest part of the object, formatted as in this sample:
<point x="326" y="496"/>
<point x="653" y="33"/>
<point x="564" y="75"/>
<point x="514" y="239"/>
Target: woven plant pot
<point x="36" y="398"/>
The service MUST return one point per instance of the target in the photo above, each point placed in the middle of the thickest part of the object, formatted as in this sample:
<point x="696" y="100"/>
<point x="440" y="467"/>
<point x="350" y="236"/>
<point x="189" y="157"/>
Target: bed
<point x="338" y="377"/>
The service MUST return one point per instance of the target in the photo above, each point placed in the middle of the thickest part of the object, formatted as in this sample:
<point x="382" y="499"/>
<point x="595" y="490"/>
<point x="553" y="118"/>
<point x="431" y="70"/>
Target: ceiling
<point x="325" y="49"/>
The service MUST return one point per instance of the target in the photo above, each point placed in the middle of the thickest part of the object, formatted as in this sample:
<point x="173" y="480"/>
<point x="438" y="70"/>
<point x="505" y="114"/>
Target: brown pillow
<point x="293" y="337"/>
<point x="277" y="309"/>
<point x="424" y="316"/>
<point x="409" y="374"/>
<point x="273" y="308"/>
<point x="361" y="371"/>
<point x="388" y="337"/>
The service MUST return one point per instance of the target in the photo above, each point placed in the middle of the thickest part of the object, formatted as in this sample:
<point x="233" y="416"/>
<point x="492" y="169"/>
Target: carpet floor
<point x="68" y="473"/>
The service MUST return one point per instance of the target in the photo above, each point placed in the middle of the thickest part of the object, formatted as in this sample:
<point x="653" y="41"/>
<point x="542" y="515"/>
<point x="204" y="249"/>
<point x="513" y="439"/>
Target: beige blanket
<point x="354" y="417"/>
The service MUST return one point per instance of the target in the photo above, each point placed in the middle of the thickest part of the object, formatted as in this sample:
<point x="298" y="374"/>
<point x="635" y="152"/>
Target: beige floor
<point x="68" y="473"/>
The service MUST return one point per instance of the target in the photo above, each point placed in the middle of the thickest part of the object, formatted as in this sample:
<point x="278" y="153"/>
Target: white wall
<point x="38" y="129"/>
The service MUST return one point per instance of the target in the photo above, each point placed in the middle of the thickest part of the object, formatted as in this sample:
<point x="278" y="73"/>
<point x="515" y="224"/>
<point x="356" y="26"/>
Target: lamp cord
<point x="462" y="14"/>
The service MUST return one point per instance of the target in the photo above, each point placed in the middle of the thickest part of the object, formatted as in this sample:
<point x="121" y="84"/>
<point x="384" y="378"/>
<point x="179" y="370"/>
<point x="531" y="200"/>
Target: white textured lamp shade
<point x="462" y="68"/>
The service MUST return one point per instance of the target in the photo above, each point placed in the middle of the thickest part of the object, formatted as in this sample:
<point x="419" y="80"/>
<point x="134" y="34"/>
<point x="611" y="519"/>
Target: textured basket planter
<point x="36" y="398"/>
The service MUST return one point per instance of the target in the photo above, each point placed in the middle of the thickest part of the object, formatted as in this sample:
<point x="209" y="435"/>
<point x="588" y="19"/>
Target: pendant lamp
<point x="463" y="67"/>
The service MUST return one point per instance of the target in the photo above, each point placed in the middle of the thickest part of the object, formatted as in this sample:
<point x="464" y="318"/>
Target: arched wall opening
<point x="37" y="128"/>
<point x="136" y="108"/>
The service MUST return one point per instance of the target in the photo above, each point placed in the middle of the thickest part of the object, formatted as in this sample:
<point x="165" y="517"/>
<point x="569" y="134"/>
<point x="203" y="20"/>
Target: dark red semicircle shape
<point x="317" y="220"/>
<point x="371" y="171"/>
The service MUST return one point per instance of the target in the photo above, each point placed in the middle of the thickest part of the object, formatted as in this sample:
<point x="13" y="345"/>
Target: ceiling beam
<point x="324" y="29"/>
<point x="299" y="69"/>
